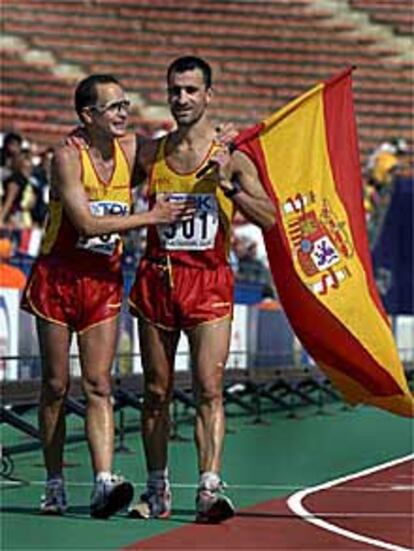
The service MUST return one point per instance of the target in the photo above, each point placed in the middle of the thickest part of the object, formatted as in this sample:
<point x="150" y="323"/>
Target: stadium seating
<point x="263" y="54"/>
<point x="400" y="15"/>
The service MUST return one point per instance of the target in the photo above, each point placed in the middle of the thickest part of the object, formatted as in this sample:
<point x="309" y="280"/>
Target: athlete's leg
<point x="54" y="342"/>
<point x="97" y="350"/>
<point x="209" y="346"/>
<point x="158" y="348"/>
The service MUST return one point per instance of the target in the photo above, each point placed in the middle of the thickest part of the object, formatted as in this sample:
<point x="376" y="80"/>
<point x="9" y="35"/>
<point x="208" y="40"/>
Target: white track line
<point x="295" y="504"/>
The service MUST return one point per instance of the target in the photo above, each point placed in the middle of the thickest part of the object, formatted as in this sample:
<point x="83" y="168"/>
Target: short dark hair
<point x="189" y="63"/>
<point x="86" y="93"/>
<point x="9" y="138"/>
<point x="12" y="137"/>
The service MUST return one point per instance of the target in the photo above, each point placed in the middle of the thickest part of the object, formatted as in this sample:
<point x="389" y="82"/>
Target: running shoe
<point x="155" y="502"/>
<point x="54" y="502"/>
<point x="110" y="496"/>
<point x="212" y="505"/>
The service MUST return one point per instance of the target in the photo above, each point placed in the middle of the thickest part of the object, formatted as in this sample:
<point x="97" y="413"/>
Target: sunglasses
<point x="112" y="107"/>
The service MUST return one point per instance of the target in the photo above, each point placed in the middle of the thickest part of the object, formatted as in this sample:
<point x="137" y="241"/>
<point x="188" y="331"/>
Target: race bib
<point x="197" y="234"/>
<point x="107" y="243"/>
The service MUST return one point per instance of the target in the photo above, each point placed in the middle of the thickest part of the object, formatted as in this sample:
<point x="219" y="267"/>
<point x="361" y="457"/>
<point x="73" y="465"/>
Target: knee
<point x="209" y="390"/>
<point x="156" y="397"/>
<point x="97" y="386"/>
<point x="55" y="388"/>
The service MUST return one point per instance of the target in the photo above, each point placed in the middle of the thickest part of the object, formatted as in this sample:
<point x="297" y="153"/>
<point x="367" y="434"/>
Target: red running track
<point x="372" y="509"/>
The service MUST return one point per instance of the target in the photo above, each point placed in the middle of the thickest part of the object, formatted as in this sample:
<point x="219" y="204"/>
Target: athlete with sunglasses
<point x="76" y="285"/>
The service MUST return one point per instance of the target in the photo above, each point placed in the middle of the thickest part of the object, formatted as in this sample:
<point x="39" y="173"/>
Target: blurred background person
<point x="41" y="183"/>
<point x="11" y="147"/>
<point x="386" y="163"/>
<point x="19" y="196"/>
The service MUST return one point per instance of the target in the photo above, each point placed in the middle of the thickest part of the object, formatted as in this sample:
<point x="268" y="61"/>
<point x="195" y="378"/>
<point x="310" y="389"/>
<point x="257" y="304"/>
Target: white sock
<point x="103" y="476"/>
<point x="209" y="480"/>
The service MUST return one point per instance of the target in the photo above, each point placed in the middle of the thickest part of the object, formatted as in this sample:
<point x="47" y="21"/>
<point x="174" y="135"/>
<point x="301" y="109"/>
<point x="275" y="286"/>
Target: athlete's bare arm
<point x="66" y="183"/>
<point x="251" y="200"/>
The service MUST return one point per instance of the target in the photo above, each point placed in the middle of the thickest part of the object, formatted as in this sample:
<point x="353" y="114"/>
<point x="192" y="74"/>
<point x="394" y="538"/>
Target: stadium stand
<point x="263" y="53"/>
<point x="399" y="15"/>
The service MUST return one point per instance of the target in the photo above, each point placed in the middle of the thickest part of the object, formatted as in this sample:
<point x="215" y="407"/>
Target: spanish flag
<point x="307" y="158"/>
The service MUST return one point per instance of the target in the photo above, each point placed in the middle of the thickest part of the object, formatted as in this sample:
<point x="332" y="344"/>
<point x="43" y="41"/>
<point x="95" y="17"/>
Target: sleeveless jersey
<point x="203" y="241"/>
<point x="62" y="239"/>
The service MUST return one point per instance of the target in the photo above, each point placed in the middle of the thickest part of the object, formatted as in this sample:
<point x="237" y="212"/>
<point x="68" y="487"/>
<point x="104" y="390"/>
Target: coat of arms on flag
<point x="320" y="244"/>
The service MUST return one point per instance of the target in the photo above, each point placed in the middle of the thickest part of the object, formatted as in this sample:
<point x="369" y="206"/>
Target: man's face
<point x="110" y="113"/>
<point x="187" y="96"/>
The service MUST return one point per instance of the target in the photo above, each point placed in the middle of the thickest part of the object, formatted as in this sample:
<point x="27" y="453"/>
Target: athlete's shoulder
<point x="66" y="166"/>
<point x="66" y="153"/>
<point x="128" y="140"/>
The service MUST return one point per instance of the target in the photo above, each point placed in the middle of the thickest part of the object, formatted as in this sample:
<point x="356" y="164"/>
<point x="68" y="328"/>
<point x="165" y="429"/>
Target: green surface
<point x="269" y="461"/>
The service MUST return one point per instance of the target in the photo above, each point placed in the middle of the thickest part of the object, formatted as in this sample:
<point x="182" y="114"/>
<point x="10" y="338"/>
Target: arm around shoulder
<point x="66" y="182"/>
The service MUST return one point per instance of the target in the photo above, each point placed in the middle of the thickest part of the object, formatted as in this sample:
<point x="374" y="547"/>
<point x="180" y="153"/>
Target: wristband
<point x="234" y="190"/>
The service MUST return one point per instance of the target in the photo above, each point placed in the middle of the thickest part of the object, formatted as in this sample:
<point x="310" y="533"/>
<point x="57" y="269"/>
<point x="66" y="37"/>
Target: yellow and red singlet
<point x="114" y="198"/>
<point x="203" y="241"/>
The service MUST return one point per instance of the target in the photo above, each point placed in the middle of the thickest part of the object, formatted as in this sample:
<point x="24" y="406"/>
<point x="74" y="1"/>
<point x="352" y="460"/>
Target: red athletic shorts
<point x="61" y="294"/>
<point x="181" y="297"/>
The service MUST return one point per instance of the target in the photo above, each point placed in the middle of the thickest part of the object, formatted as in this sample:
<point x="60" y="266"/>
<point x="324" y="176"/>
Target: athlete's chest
<point x="166" y="179"/>
<point x="187" y="160"/>
<point x="103" y="170"/>
<point x="106" y="180"/>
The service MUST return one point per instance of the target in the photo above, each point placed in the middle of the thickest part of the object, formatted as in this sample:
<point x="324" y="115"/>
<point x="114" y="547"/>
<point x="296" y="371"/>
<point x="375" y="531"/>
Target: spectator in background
<point x="41" y="181"/>
<point x="250" y="268"/>
<point x="135" y="240"/>
<point x="43" y="168"/>
<point x="233" y="258"/>
<point x="18" y="193"/>
<point x="388" y="160"/>
<point x="12" y="146"/>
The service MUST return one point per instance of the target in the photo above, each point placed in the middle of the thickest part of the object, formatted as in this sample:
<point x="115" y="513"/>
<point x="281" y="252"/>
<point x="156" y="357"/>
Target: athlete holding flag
<point x="184" y="283"/>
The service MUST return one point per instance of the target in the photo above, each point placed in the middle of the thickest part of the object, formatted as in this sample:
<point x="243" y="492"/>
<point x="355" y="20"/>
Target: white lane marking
<point x="11" y="483"/>
<point x="295" y="505"/>
<point x="402" y="488"/>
